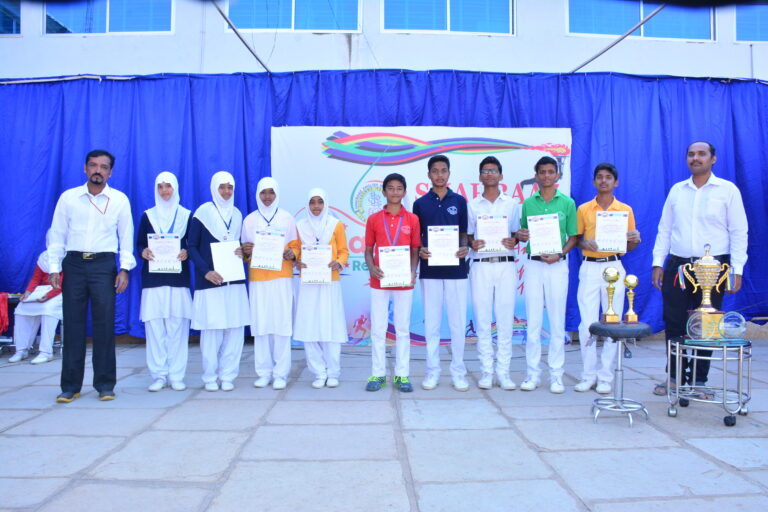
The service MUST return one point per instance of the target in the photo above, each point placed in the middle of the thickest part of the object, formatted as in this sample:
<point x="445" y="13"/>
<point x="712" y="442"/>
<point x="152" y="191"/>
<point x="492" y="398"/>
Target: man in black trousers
<point x="90" y="223"/>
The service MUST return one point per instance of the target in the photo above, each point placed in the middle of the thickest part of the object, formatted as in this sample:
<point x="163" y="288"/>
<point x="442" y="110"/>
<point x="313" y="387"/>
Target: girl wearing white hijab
<point x="219" y="309"/>
<point x="271" y="291"/>
<point x="166" y="302"/>
<point x="320" y="321"/>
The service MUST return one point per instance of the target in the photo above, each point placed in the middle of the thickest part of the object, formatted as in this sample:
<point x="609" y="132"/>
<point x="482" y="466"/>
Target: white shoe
<point x="529" y="384"/>
<point x="211" y="386"/>
<point x="41" y="358"/>
<point x="557" y="386"/>
<point x="279" y="383"/>
<point x="506" y="382"/>
<point x="460" y="383"/>
<point x="604" y="387"/>
<point x="227" y="385"/>
<point x="430" y="382"/>
<point x="584" y="385"/>
<point x="486" y="381"/>
<point x="261" y="382"/>
<point x="178" y="385"/>
<point x="18" y="356"/>
<point x="317" y="383"/>
<point x="332" y="383"/>
<point x="157" y="385"/>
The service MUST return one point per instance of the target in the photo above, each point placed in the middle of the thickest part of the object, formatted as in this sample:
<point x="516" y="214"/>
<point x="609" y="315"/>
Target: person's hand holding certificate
<point x="165" y="250"/>
<point x="395" y="264"/>
<point x="225" y="262"/>
<point x="492" y="229"/>
<point x="443" y="244"/>
<point x="268" y="248"/>
<point x="611" y="231"/>
<point x="316" y="260"/>
<point x="544" y="234"/>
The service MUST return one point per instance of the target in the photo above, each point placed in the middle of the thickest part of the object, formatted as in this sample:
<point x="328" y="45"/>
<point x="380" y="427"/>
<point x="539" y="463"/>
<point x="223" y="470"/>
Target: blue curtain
<point x="195" y="125"/>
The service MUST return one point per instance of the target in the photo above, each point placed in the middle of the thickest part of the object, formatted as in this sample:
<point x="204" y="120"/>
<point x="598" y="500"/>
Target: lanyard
<point x="97" y="208"/>
<point x="173" y="223"/>
<point x="397" y="233"/>
<point x="269" y="222"/>
<point x="226" y="224"/>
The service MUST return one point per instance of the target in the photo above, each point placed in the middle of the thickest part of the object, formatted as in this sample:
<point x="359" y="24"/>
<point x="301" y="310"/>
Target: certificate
<point x="492" y="229"/>
<point x="443" y="244"/>
<point x="395" y="263"/>
<point x="165" y="253"/>
<point x="544" y="234"/>
<point x="225" y="262"/>
<point x="611" y="231"/>
<point x="316" y="258"/>
<point x="268" y="248"/>
<point x="38" y="293"/>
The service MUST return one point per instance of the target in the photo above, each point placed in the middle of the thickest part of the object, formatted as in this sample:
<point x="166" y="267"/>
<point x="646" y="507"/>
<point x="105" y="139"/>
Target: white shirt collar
<point x="713" y="180"/>
<point x="105" y="191"/>
<point x="502" y="197"/>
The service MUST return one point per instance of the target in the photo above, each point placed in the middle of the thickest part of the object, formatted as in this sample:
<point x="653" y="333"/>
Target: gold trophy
<point x="631" y="282"/>
<point x="706" y="271"/>
<point x="610" y="275"/>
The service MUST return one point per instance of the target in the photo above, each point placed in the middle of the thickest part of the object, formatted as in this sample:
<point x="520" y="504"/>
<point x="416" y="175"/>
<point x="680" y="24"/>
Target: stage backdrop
<point x="351" y="162"/>
<point x="195" y="125"/>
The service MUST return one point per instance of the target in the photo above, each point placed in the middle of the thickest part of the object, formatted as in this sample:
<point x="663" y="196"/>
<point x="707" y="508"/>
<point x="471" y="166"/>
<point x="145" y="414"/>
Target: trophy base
<point x="610" y="318"/>
<point x="630" y="318"/>
<point x="710" y="323"/>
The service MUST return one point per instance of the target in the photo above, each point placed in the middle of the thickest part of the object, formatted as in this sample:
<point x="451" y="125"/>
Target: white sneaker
<point x="178" y="385"/>
<point x="506" y="382"/>
<point x="486" y="381"/>
<point x="157" y="385"/>
<point x="41" y="358"/>
<point x="227" y="385"/>
<point x="529" y="384"/>
<point x="332" y="383"/>
<point x="18" y="356"/>
<point x="557" y="386"/>
<point x="319" y="382"/>
<point x="460" y="383"/>
<point x="261" y="382"/>
<point x="279" y="383"/>
<point x="604" y="387"/>
<point x="211" y="386"/>
<point x="430" y="381"/>
<point x="584" y="386"/>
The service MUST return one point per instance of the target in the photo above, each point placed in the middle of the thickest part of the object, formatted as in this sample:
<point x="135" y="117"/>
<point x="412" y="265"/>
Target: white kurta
<point x="51" y="307"/>
<point x="320" y="314"/>
<point x="222" y="307"/>
<point x="165" y="302"/>
<point x="271" y="307"/>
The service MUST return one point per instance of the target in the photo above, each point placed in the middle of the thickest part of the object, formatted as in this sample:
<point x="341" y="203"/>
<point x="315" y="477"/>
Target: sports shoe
<point x="106" y="396"/>
<point x="584" y="386"/>
<point x="403" y="384"/>
<point x="375" y="383"/>
<point x="18" y="356"/>
<point x="157" y="385"/>
<point x="604" y="387"/>
<point x="41" y="358"/>
<point x="332" y="383"/>
<point x="178" y="385"/>
<point x="486" y="381"/>
<point x="279" y="383"/>
<point x="557" y="386"/>
<point x="430" y="382"/>
<point x="529" y="384"/>
<point x="227" y="385"/>
<point x="460" y="383"/>
<point x="211" y="386"/>
<point x="261" y="382"/>
<point x="66" y="397"/>
<point x="505" y="382"/>
<point x="319" y="382"/>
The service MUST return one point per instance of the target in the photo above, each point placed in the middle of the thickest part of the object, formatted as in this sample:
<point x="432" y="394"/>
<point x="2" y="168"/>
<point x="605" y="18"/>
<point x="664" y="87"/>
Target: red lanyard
<point x="99" y="209"/>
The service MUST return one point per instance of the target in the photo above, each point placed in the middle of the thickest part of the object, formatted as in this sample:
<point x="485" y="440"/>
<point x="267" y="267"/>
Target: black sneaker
<point x="106" y="396"/>
<point x="403" y="384"/>
<point x="375" y="383"/>
<point x="66" y="397"/>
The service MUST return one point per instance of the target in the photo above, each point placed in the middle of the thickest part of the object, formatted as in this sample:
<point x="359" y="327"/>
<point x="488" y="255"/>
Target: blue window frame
<point x="99" y="16"/>
<point x="10" y="16"/>
<point x="752" y="22"/>
<point x="319" y="15"/>
<point x="483" y="16"/>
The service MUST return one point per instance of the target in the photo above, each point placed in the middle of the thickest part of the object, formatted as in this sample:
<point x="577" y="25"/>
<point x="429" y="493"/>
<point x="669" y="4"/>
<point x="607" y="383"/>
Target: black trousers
<point x="677" y="303"/>
<point x="89" y="281"/>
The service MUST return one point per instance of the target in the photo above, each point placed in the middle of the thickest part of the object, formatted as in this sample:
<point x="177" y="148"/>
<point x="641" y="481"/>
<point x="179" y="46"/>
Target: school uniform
<point x="29" y="317"/>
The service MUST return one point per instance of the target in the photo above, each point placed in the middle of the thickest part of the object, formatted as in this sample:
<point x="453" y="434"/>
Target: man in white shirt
<point x="702" y="210"/>
<point x="89" y="224"/>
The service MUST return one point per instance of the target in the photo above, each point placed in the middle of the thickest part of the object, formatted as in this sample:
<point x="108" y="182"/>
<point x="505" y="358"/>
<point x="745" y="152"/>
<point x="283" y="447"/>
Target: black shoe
<point x="66" y="397"/>
<point x="106" y="396"/>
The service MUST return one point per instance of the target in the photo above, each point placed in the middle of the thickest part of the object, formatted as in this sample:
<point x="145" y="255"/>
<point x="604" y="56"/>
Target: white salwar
<point x="166" y="312"/>
<point x="271" y="314"/>
<point x="321" y="325"/>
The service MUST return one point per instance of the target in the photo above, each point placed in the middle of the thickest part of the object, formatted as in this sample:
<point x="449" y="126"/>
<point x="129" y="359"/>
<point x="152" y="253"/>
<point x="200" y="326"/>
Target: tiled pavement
<point x="348" y="450"/>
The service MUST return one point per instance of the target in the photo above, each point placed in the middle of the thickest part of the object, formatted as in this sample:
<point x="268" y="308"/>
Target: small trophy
<point x="610" y="275"/>
<point x="631" y="282"/>
<point x="706" y="271"/>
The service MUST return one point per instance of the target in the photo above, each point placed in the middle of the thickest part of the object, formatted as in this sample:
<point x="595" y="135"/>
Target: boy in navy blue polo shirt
<point x="443" y="284"/>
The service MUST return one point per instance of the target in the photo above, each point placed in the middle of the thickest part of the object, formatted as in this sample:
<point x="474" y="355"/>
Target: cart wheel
<point x="684" y="402"/>
<point x="672" y="412"/>
<point x="743" y="411"/>
<point x="729" y="421"/>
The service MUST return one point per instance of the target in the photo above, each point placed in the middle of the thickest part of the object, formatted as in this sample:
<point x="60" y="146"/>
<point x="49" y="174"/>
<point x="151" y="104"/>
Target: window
<point x="483" y="16"/>
<point x="752" y="22"/>
<point x="99" y="16"/>
<point x="318" y="15"/>
<point x="617" y="16"/>
<point x="10" y="16"/>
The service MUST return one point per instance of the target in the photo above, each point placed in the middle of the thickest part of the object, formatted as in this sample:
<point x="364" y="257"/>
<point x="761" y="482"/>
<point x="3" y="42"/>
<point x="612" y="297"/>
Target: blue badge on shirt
<point x="452" y="210"/>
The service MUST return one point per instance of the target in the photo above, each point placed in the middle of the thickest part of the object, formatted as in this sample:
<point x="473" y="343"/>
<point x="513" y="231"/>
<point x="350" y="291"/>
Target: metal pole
<point x="240" y="37"/>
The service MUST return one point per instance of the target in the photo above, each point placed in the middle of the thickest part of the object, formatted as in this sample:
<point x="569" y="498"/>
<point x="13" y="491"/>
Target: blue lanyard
<point x="226" y="224"/>
<point x="170" y="230"/>
<point x="386" y="229"/>
<point x="269" y="222"/>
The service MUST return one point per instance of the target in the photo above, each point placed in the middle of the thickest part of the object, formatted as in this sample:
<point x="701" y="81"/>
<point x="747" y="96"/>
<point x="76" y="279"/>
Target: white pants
<point x="452" y="293"/>
<point x="494" y="286"/>
<point x="591" y="295"/>
<point x="221" y="350"/>
<point x="545" y="284"/>
<point x="272" y="355"/>
<point x="167" y="348"/>
<point x="323" y="359"/>
<point x="401" y="305"/>
<point x="25" y="329"/>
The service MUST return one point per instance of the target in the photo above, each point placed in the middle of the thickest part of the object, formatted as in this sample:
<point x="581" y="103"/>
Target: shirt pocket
<point x="715" y="210"/>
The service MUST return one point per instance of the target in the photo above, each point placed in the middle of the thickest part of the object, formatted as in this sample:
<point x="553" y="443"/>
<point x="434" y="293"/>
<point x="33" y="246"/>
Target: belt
<point x="495" y="259"/>
<point x="693" y="259"/>
<point x="563" y="257"/>
<point x="615" y="257"/>
<point x="90" y="256"/>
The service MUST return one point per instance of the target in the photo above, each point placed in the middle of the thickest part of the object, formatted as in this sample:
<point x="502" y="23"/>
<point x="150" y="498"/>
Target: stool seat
<point x="620" y="331"/>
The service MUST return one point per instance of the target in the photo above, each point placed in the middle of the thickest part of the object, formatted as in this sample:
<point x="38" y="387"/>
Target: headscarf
<point x="220" y="217"/>
<point x="317" y="229"/>
<point x="168" y="216"/>
<point x="268" y="212"/>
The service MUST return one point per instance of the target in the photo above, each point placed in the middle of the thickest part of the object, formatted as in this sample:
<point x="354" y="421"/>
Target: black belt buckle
<point x="87" y="256"/>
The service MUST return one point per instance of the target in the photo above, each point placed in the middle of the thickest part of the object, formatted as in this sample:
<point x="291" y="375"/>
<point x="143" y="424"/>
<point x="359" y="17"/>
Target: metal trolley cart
<point x="733" y="395"/>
